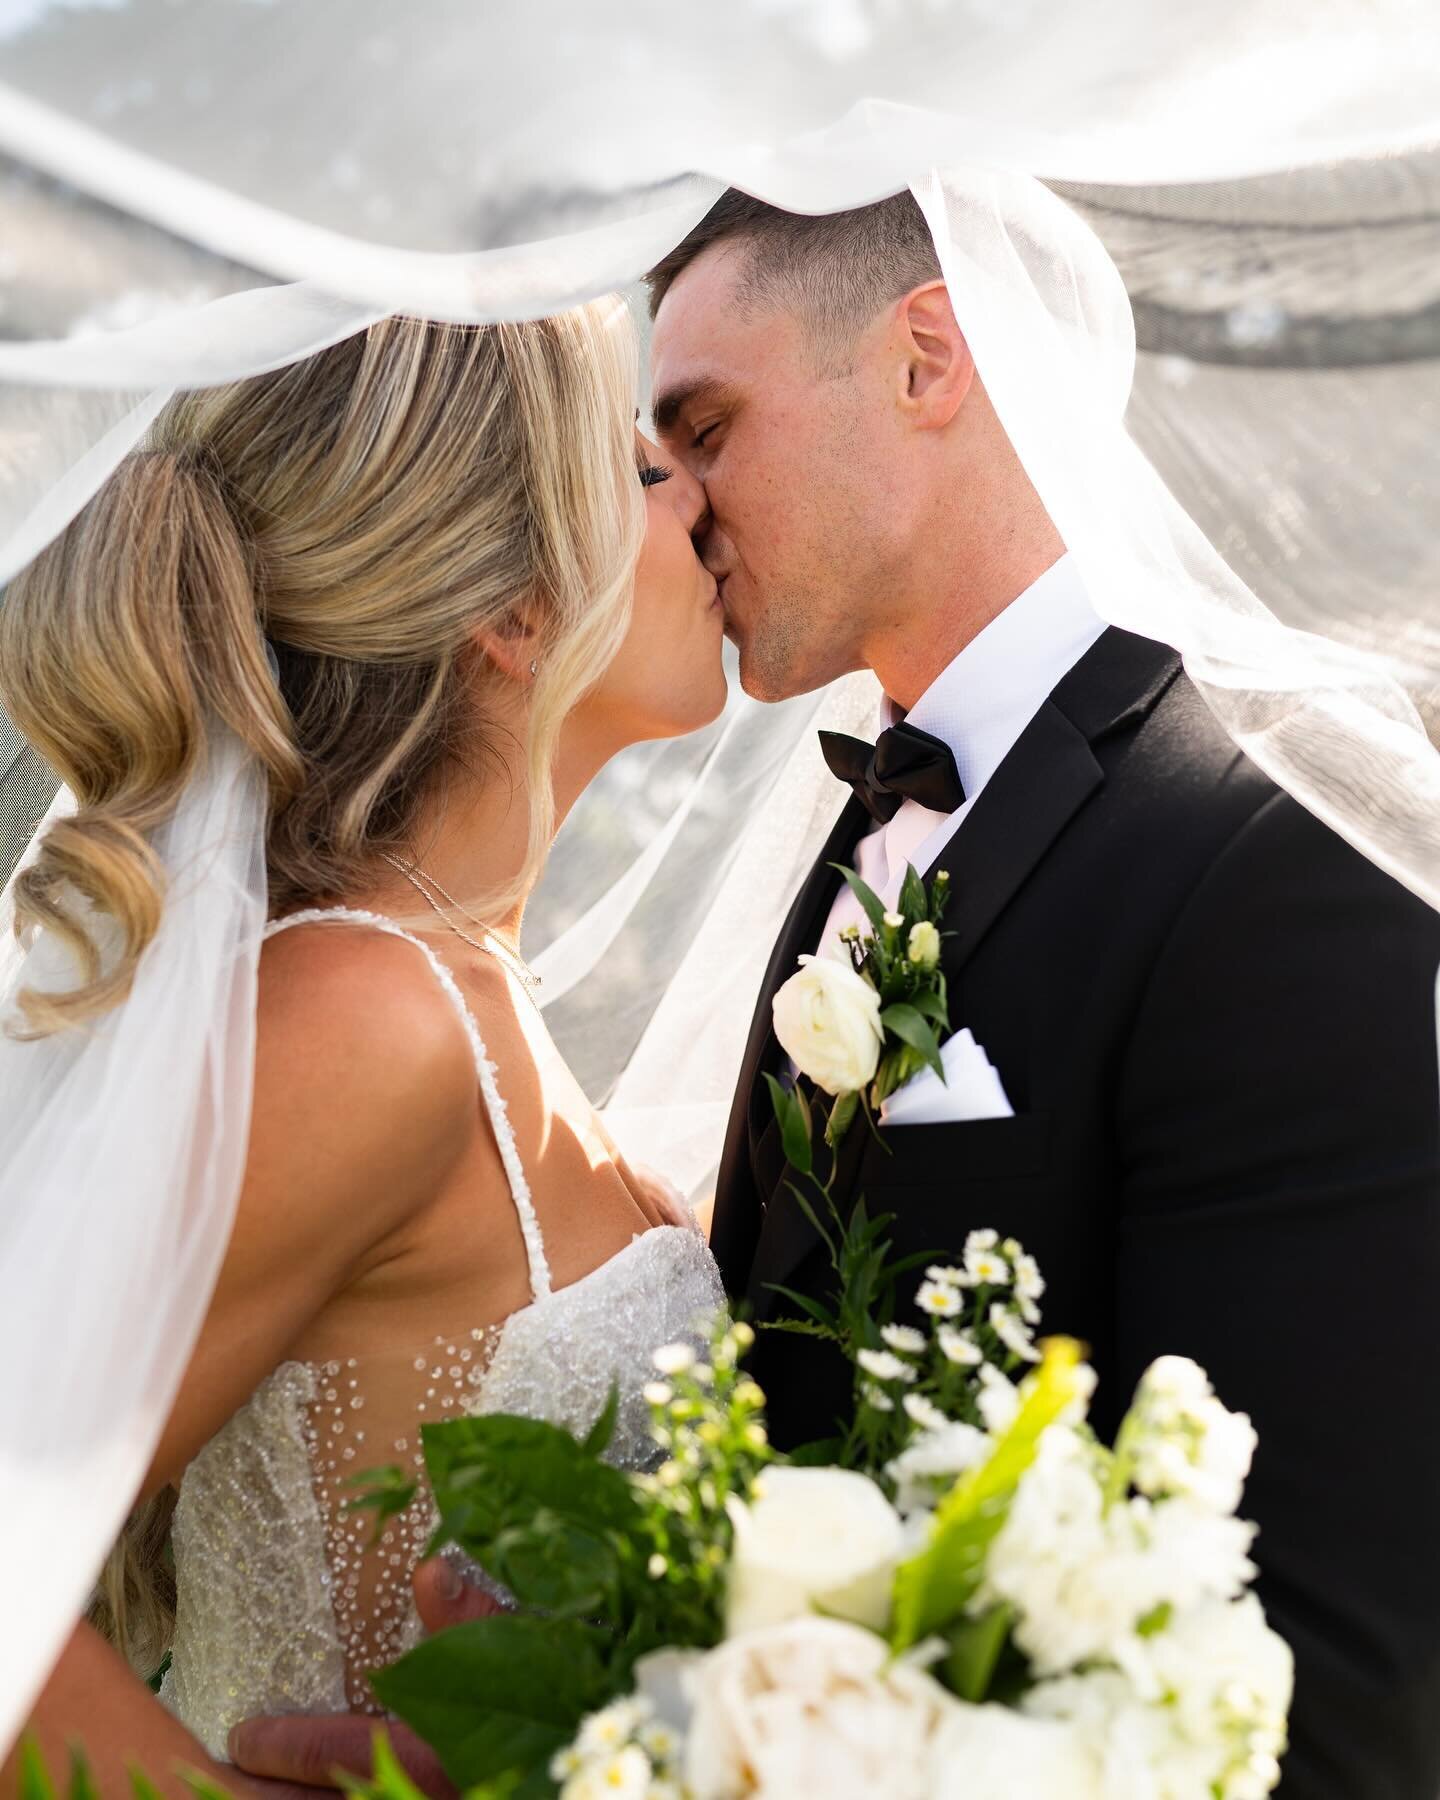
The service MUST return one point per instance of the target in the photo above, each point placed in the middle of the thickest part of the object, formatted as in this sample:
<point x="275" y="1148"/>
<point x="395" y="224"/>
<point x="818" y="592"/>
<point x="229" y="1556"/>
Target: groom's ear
<point x="936" y="368"/>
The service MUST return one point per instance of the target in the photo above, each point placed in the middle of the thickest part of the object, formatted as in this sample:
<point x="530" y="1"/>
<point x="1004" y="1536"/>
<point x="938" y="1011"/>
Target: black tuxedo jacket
<point x="1216" y="1024"/>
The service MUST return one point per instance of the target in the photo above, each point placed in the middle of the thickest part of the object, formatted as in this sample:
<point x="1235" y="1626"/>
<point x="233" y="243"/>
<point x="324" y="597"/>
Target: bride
<point x="431" y="577"/>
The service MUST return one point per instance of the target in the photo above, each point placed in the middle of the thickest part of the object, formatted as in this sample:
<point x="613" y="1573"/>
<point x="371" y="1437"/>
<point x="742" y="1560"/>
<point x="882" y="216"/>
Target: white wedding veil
<point x="1194" y="252"/>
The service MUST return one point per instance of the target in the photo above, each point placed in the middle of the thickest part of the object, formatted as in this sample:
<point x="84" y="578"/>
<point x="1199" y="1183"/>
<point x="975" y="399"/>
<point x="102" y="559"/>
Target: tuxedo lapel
<point x="1045" y="780"/>
<point x="737" y="1221"/>
<point x="799" y="936"/>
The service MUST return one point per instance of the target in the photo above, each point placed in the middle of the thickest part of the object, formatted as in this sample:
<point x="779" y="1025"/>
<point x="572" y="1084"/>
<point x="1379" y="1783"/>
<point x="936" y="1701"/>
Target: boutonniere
<point x="860" y="1028"/>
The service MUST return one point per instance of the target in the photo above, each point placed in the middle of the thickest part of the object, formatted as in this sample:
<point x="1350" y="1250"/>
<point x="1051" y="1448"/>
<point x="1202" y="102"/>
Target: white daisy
<point x="939" y="1299"/>
<point x="987" y="1268"/>
<point x="883" y="1366"/>
<point x="1013" y="1333"/>
<point x="960" y="1347"/>
<point x="947" y="1276"/>
<point x="924" y="1413"/>
<point x="904" y="1338"/>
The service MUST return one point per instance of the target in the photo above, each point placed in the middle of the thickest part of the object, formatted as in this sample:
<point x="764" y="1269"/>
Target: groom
<point x="1214" y="1021"/>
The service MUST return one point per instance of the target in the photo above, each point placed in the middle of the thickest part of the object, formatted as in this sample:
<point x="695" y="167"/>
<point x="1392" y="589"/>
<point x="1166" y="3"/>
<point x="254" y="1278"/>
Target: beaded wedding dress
<point x="285" y="1601"/>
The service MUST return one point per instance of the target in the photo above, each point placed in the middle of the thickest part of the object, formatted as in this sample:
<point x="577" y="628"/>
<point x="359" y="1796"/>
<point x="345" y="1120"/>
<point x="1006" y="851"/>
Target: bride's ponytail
<point x="116" y="645"/>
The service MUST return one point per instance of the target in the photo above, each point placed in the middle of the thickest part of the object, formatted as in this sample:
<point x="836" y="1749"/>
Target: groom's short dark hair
<point x="840" y="268"/>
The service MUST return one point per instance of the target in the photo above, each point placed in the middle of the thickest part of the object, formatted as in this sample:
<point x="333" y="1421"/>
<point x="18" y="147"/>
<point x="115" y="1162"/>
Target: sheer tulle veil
<point x="1194" y="255"/>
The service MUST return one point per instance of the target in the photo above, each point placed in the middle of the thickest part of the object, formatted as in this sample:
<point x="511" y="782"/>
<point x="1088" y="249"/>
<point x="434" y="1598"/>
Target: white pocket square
<point x="971" y="1089"/>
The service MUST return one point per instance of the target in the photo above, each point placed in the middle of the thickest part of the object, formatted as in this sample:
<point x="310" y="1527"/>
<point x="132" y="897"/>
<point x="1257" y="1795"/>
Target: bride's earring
<point x="534" y="667"/>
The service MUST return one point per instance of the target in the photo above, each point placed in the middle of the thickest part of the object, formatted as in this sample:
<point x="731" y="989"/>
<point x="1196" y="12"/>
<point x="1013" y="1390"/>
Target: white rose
<point x="824" y="1539"/>
<point x="814" y="1706"/>
<point x="991" y="1753"/>
<point x="828" y="1019"/>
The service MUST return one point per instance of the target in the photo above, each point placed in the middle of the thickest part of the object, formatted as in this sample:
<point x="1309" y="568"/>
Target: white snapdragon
<point x="674" y="1359"/>
<point x="1184" y="1441"/>
<point x="813" y="1539"/>
<point x="923" y="947"/>
<point x="1083" y="1577"/>
<point x="827" y="1017"/>
<point x="998" y="1398"/>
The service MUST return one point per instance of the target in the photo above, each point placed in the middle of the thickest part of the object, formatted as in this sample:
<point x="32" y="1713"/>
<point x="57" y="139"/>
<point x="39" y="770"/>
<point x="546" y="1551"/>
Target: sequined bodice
<point x="285" y="1598"/>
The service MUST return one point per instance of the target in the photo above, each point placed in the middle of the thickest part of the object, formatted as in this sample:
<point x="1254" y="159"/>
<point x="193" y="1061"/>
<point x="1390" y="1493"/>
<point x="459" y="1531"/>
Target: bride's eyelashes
<point x="651" y="475"/>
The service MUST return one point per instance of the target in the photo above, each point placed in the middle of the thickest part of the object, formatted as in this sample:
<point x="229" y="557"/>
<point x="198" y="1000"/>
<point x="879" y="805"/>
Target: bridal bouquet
<point x="971" y="1599"/>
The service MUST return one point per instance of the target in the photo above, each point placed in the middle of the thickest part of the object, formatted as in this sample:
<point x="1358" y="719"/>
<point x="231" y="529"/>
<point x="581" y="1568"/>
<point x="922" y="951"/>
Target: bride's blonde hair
<point x="365" y="511"/>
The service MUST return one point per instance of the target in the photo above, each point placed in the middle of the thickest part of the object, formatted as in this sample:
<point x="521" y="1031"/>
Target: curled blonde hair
<point x="365" y="510"/>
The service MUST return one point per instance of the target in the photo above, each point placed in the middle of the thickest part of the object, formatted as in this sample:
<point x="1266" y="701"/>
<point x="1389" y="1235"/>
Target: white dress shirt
<point x="979" y="705"/>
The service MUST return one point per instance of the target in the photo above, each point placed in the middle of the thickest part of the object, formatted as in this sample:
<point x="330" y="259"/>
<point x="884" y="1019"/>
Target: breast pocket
<point x="972" y="1150"/>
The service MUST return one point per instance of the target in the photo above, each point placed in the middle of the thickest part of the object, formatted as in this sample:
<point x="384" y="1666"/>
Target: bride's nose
<point x="689" y="499"/>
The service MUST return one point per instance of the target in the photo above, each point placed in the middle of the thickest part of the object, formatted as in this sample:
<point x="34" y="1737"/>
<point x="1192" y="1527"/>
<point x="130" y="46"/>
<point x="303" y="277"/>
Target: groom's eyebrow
<point x="707" y="390"/>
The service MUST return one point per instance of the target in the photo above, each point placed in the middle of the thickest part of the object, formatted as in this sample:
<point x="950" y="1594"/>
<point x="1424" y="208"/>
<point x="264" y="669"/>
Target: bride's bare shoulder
<point x="355" y="1030"/>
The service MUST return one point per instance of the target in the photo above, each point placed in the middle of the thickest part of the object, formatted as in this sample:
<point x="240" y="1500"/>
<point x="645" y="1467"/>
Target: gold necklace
<point x="496" y="947"/>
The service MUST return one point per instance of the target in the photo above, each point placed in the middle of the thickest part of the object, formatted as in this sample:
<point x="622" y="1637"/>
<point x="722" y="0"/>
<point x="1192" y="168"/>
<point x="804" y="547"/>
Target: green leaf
<point x="975" y="1646"/>
<point x="793" y="1117"/>
<point x="822" y="1454"/>
<point x="868" y="898"/>
<point x="498" y="1474"/>
<point x="203" y="1787"/>
<point x="912" y="1029"/>
<point x="933" y="1589"/>
<point x="821" y="1315"/>
<point x="1155" y="1620"/>
<point x="913" y="903"/>
<point x="82" y="1782"/>
<point x="560" y="1568"/>
<point x="598" y="1437"/>
<point x="842" y="1115"/>
<point x="802" y="1200"/>
<point x="35" y="1782"/>
<point x="386" y="1492"/>
<point x="142" y="1787"/>
<point x="931" y="1005"/>
<point x="500" y="1694"/>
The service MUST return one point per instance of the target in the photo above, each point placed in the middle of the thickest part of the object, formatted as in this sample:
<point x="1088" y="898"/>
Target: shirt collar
<point x="982" y="701"/>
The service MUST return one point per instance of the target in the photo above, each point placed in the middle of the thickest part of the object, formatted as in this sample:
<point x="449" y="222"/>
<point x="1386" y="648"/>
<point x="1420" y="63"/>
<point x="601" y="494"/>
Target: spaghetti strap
<point x="484" y="1069"/>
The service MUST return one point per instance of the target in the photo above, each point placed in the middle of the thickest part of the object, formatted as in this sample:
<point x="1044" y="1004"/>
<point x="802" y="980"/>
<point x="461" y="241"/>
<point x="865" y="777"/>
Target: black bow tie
<point x="904" y="763"/>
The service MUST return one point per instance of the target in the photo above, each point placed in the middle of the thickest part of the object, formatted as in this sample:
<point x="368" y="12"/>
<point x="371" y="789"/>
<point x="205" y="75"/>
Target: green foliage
<point x="606" y="1565"/>
<point x="975" y="1646"/>
<point x="792" y="1114"/>
<point x="933" y="1589"/>
<point x="536" y="1509"/>
<point x="873" y="906"/>
<point x="386" y="1492"/>
<point x="498" y="1697"/>
<point x="388" y="1780"/>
